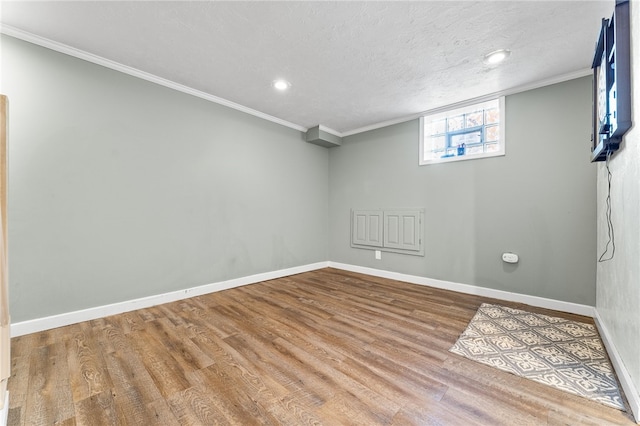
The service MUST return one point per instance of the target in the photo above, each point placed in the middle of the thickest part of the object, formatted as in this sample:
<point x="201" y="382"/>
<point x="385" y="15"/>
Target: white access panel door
<point x="402" y="229"/>
<point x="366" y="228"/>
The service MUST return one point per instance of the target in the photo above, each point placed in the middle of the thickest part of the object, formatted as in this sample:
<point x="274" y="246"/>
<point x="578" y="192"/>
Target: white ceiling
<point x="352" y="65"/>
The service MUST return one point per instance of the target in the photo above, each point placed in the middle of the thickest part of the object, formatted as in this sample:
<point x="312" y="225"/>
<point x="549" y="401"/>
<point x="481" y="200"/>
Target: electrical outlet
<point x="378" y="254"/>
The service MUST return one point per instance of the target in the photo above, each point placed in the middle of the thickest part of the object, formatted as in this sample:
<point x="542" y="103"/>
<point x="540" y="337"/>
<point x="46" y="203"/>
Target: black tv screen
<point x="611" y="84"/>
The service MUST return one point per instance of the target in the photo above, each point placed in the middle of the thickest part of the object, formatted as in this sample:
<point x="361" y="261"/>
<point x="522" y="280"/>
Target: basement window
<point x="467" y="133"/>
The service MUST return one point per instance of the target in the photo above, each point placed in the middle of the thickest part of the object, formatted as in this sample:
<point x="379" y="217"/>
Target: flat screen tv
<point x="611" y="84"/>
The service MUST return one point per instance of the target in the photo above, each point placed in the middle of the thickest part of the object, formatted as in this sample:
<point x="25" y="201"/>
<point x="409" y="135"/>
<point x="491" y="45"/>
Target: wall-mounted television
<point x="611" y="84"/>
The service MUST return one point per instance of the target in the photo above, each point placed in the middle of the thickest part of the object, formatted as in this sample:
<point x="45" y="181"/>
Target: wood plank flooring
<point x="327" y="347"/>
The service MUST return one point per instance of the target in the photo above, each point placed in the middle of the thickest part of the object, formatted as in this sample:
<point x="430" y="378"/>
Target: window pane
<point x="439" y="126"/>
<point x="432" y="155"/>
<point x="438" y="154"/>
<point x="468" y="138"/>
<point x="492" y="133"/>
<point x="474" y="119"/>
<point x="455" y="123"/>
<point x="477" y="149"/>
<point x="492" y="116"/>
<point x="478" y="127"/>
<point x="492" y="147"/>
<point x="438" y="143"/>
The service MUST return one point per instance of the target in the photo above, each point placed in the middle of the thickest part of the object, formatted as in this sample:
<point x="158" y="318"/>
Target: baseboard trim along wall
<point x="55" y="321"/>
<point x="60" y="320"/>
<point x="541" y="302"/>
<point x="630" y="391"/>
<point x="633" y="397"/>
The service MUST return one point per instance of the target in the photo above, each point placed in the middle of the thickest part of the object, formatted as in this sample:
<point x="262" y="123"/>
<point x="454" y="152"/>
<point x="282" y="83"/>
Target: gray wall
<point x="123" y="189"/>
<point x="618" y="280"/>
<point x="537" y="201"/>
<point x="120" y="188"/>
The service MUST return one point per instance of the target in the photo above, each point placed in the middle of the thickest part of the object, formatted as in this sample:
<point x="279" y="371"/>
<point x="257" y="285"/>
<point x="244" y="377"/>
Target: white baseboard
<point x="541" y="302"/>
<point x="633" y="397"/>
<point x="55" y="321"/>
<point x="60" y="320"/>
<point x="630" y="391"/>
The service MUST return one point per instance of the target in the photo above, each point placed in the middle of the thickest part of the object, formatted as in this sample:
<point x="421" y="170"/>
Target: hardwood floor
<point x="325" y="347"/>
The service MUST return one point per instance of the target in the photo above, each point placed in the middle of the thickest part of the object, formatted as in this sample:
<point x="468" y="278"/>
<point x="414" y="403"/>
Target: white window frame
<point x="424" y="120"/>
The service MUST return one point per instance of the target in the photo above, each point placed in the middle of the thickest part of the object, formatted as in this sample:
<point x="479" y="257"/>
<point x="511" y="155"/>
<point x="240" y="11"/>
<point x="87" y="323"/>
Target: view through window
<point x="474" y="131"/>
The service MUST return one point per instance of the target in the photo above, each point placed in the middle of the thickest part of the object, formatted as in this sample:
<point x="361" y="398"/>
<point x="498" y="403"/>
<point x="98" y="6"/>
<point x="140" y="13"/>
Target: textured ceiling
<point x="351" y="64"/>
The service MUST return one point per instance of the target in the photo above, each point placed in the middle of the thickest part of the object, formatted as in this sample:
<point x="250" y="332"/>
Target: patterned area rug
<point x="565" y="354"/>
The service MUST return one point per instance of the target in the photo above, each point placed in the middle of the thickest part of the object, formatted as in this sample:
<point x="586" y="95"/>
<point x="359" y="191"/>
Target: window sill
<point x="462" y="158"/>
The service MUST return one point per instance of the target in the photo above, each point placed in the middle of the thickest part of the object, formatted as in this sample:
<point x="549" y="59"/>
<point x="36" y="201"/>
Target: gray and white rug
<point x="565" y="354"/>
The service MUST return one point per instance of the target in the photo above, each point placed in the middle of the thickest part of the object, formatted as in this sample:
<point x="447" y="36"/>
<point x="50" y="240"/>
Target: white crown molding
<point x="68" y="318"/>
<point x="541" y="302"/>
<point x="330" y="130"/>
<point x="508" y="92"/>
<point x="72" y="51"/>
<point x="630" y="391"/>
<point x="89" y="57"/>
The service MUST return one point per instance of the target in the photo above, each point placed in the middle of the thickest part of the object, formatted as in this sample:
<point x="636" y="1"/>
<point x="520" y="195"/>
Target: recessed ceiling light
<point x="281" y="85"/>
<point x="496" y="56"/>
